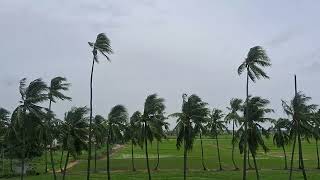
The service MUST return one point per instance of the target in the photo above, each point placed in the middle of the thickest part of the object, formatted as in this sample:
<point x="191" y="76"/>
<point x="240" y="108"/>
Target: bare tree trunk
<point x="156" y="168"/>
<point x="318" y="166"/>
<point x="132" y="158"/>
<point x="90" y="123"/>
<point x="217" y="141"/>
<point x="46" y="157"/>
<point x="108" y="155"/>
<point x="185" y="155"/>
<point x="232" y="156"/>
<point x="244" y="176"/>
<point x="52" y="163"/>
<point x="146" y="146"/>
<point x="202" y="159"/>
<point x="23" y="155"/>
<point x="65" y="166"/>
<point x="285" y="158"/>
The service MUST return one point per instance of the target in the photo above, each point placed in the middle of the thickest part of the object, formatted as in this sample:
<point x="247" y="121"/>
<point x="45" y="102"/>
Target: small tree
<point x="281" y="136"/>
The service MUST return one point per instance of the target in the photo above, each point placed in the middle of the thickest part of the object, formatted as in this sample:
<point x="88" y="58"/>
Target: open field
<point x="270" y="164"/>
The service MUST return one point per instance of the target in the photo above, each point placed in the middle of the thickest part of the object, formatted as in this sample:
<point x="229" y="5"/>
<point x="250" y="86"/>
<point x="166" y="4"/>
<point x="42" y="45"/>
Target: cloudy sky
<point x="161" y="46"/>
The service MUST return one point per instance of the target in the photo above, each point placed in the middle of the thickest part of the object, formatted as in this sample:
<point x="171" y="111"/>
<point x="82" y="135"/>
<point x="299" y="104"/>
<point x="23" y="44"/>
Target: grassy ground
<point x="271" y="164"/>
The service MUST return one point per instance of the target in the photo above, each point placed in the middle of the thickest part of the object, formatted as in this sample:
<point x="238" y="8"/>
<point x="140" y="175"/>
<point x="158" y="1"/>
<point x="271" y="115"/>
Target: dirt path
<point x="114" y="150"/>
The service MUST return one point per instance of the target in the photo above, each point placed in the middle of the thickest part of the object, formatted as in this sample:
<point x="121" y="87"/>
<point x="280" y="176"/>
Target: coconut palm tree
<point x="281" y="136"/>
<point x="57" y="85"/>
<point x="234" y="118"/>
<point x="101" y="45"/>
<point x="116" y="124"/>
<point x="256" y="59"/>
<point x="134" y="134"/>
<point x="31" y="96"/>
<point x="216" y="126"/>
<point x="153" y="112"/>
<point x="257" y="110"/>
<point x="75" y="133"/>
<point x="193" y="113"/>
<point x="99" y="131"/>
<point x="301" y="125"/>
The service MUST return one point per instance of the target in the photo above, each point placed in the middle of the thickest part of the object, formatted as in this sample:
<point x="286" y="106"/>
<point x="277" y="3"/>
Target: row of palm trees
<point x="32" y="128"/>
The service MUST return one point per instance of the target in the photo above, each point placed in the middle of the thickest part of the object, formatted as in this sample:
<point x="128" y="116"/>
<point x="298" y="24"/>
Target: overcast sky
<point x="161" y="46"/>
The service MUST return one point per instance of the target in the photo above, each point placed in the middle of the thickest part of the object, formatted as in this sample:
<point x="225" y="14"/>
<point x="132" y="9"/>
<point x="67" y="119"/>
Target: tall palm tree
<point x="234" y="118"/>
<point x="193" y="113"/>
<point x="57" y="85"/>
<point x="301" y="125"/>
<point x="101" y="45"/>
<point x="99" y="131"/>
<point x="281" y="136"/>
<point x="31" y="96"/>
<point x="116" y="124"/>
<point x="256" y="59"/>
<point x="216" y="126"/>
<point x="134" y="134"/>
<point x="257" y="110"/>
<point x="74" y="132"/>
<point x="153" y="112"/>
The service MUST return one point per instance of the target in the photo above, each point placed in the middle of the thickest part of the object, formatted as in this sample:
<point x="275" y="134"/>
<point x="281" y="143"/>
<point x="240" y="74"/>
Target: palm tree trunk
<point x="108" y="155"/>
<point x="132" y="158"/>
<point x="61" y="157"/>
<point x="23" y="155"/>
<point x="95" y="157"/>
<point x="217" y="141"/>
<point x="249" y="163"/>
<point x="90" y="123"/>
<point x="317" y="153"/>
<point x="285" y="158"/>
<point x="65" y="166"/>
<point x="204" y="167"/>
<point x="46" y="157"/>
<point x="255" y="165"/>
<point x="292" y="155"/>
<point x="232" y="156"/>
<point x="185" y="155"/>
<point x="301" y="157"/>
<point x="11" y="168"/>
<point x="244" y="176"/>
<point x="146" y="146"/>
<point x="51" y="153"/>
<point x="52" y="163"/>
<point x="156" y="168"/>
<point x="2" y="149"/>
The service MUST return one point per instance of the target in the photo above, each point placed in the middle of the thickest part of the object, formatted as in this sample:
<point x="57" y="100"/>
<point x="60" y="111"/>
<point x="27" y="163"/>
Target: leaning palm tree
<point x="301" y="125"/>
<point x="193" y="113"/>
<point x="115" y="125"/>
<point x="281" y="136"/>
<point x="253" y="64"/>
<point x="234" y="118"/>
<point x="153" y="112"/>
<point x="133" y="133"/>
<point x="57" y="85"/>
<point x="74" y="132"/>
<point x="257" y="109"/>
<point x="98" y="130"/>
<point x="31" y="96"/>
<point x="102" y="46"/>
<point x="216" y="126"/>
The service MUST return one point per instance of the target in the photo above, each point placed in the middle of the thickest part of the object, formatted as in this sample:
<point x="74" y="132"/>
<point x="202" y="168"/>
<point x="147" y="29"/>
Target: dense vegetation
<point x="32" y="130"/>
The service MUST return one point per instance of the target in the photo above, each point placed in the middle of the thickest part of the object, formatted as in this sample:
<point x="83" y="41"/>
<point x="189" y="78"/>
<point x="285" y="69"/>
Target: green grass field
<point x="271" y="164"/>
